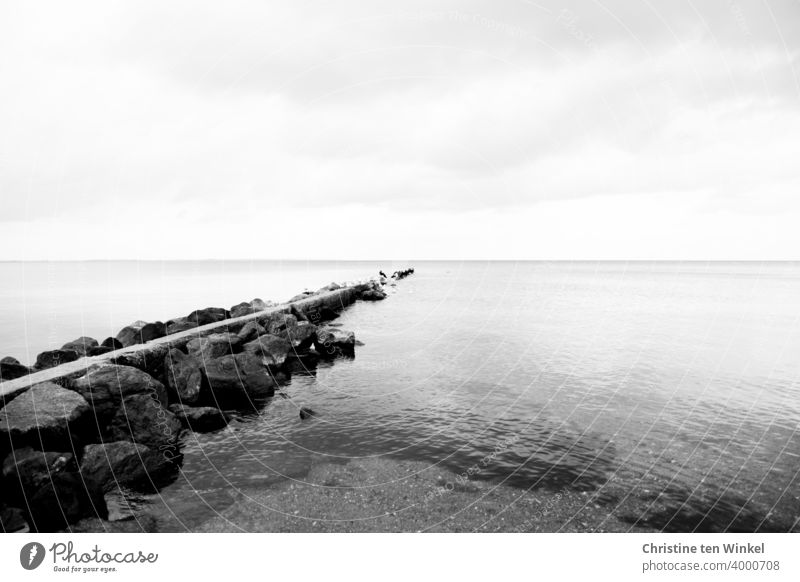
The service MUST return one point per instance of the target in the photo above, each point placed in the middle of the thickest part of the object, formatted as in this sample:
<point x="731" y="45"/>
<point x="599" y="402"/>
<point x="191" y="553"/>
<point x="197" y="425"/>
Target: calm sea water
<point x="674" y="383"/>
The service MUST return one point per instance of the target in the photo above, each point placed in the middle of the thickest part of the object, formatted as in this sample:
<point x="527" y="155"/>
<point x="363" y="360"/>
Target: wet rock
<point x="213" y="346"/>
<point x="105" y="387"/>
<point x="238" y="378"/>
<point x="44" y="417"/>
<point x="112" y="342"/>
<point x="27" y="470"/>
<point x="81" y="345"/>
<point x="303" y="362"/>
<point x="332" y="342"/>
<point x="306" y="412"/>
<point x="53" y="358"/>
<point x="200" y="418"/>
<point x="208" y="315"/>
<point x="184" y="376"/>
<point x="280" y="322"/>
<point x="9" y="370"/>
<point x="298" y="313"/>
<point x="271" y="349"/>
<point x="119" y="506"/>
<point x="145" y="421"/>
<point x="65" y="500"/>
<point x="251" y="331"/>
<point x="301" y="335"/>
<point x="126" y="464"/>
<point x="12" y="520"/>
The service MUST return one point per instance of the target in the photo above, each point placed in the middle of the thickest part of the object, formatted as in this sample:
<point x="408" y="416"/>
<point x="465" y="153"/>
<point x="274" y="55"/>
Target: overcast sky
<point x="400" y="130"/>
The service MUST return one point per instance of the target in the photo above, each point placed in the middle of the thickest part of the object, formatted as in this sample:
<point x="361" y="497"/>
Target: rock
<point x="65" y="500"/>
<point x="248" y="308"/>
<point x="152" y="331"/>
<point x="27" y="470"/>
<point x="372" y="295"/>
<point x="123" y="463"/>
<point x="301" y="335"/>
<point x="270" y="348"/>
<point x="98" y="350"/>
<point x="200" y="418"/>
<point x="303" y="362"/>
<point x="44" y="416"/>
<point x="251" y="331"/>
<point x="112" y="342"/>
<point x="149" y="359"/>
<point x="184" y="376"/>
<point x="298" y="313"/>
<point x="10" y="360"/>
<point x="12" y="520"/>
<point x="301" y="296"/>
<point x="306" y="412"/>
<point x="332" y="342"/>
<point x="131" y="335"/>
<point x="238" y="378"/>
<point x="280" y="322"/>
<point x="179" y="325"/>
<point x="54" y="358"/>
<point x="80" y="345"/>
<point x="207" y="315"/>
<point x="213" y="346"/>
<point x="144" y="421"/>
<point x="9" y="370"/>
<point x="119" y="507"/>
<point x="105" y="387"/>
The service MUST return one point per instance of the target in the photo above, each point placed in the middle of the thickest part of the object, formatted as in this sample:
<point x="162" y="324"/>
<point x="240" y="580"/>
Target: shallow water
<point x="671" y="385"/>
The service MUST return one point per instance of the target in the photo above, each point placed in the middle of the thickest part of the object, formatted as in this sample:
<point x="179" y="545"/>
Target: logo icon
<point x="31" y="555"/>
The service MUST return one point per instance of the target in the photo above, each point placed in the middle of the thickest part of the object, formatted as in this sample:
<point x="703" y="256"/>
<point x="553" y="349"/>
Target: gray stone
<point x="26" y="470"/>
<point x="200" y="418"/>
<point x="184" y="376"/>
<point x="53" y="358"/>
<point x="81" y="345"/>
<point x="271" y="349"/>
<point x="145" y="421"/>
<point x="238" y="378"/>
<point x="124" y="463"/>
<point x="43" y="417"/>
<point x="213" y="346"/>
<point x="332" y="342"/>
<point x="104" y="388"/>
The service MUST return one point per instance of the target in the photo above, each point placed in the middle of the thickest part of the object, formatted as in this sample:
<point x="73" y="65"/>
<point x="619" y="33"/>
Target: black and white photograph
<point x="460" y="267"/>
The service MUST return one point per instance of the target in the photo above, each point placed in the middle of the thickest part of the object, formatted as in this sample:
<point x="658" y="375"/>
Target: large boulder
<point x="372" y="295"/>
<point x="238" y="378"/>
<point x="151" y="331"/>
<point x="180" y="324"/>
<point x="213" y="346"/>
<point x="301" y="335"/>
<point x="81" y="345"/>
<point x="183" y="375"/>
<point x="208" y="315"/>
<point x="200" y="418"/>
<point x="144" y="420"/>
<point x="105" y="387"/>
<point x="250" y="331"/>
<point x="126" y="464"/>
<point x="45" y="416"/>
<point x="280" y="322"/>
<point x="10" y="369"/>
<point x="112" y="342"/>
<point x="65" y="499"/>
<point x="271" y="349"/>
<point x="98" y="350"/>
<point x="13" y="520"/>
<point x="27" y="470"/>
<point x="333" y="341"/>
<point x="53" y="358"/>
<point x="131" y="335"/>
<point x="248" y="308"/>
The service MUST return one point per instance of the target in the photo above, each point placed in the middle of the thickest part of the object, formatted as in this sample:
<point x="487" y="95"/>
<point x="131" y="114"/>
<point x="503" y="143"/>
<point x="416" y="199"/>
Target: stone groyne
<point x="94" y="420"/>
